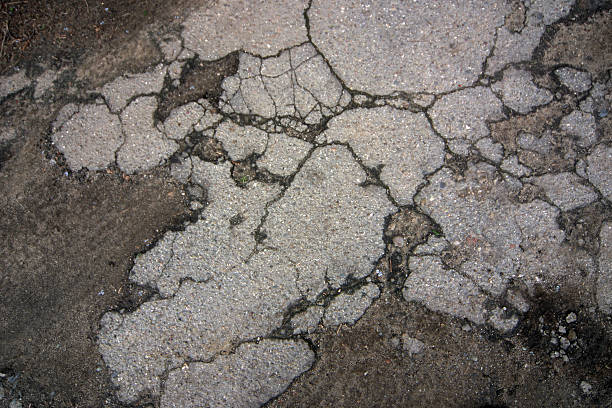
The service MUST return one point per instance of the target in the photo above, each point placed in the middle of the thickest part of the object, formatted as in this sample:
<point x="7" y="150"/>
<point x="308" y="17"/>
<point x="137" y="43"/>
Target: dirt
<point x="66" y="30"/>
<point x="584" y="45"/>
<point x="68" y="244"/>
<point x="367" y="366"/>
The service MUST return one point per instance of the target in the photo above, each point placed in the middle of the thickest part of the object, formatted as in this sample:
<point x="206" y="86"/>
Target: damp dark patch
<point x="209" y="149"/>
<point x="582" y="41"/>
<point x="582" y="225"/>
<point x="66" y="30"/>
<point x="244" y="171"/>
<point x="200" y="79"/>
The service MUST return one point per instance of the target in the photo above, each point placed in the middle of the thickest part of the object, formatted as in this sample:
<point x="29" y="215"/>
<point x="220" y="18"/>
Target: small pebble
<point x="399" y="241"/>
<point x="586" y="387"/>
<point x="565" y="343"/>
<point x="571" y="318"/>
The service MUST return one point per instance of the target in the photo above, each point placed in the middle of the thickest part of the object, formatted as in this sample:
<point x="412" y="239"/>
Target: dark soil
<point x="65" y="29"/>
<point x="67" y="245"/>
<point x="367" y="366"/>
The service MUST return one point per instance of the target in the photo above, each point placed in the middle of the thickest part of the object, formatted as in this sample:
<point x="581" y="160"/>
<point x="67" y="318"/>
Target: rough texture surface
<point x="435" y="47"/>
<point x="461" y="117"/>
<point x="89" y="138"/>
<point x="518" y="91"/>
<point x="399" y="143"/>
<point x="261" y="28"/>
<point x="604" y="282"/>
<point x="368" y="194"/>
<point x="248" y="378"/>
<point x="350" y="223"/>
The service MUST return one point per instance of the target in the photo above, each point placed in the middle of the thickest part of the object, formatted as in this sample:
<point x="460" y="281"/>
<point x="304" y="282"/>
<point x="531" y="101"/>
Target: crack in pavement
<point x="337" y="144"/>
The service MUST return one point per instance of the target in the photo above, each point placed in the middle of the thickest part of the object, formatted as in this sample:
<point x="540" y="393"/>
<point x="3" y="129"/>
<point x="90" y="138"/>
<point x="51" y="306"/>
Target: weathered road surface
<point x="444" y="168"/>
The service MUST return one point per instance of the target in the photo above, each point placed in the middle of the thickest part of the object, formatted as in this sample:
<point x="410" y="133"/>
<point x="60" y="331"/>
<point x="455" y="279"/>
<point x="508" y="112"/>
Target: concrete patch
<point x="248" y="378"/>
<point x="119" y="92"/>
<point x="89" y="138"/>
<point x="400" y="142"/>
<point x="444" y="291"/>
<point x="426" y="47"/>
<point x="145" y="147"/>
<point x="565" y="190"/>
<point x="599" y="169"/>
<point x="261" y="28"/>
<point x="462" y="116"/>
<point x="347" y="308"/>
<point x="350" y="222"/>
<point x="518" y="91"/>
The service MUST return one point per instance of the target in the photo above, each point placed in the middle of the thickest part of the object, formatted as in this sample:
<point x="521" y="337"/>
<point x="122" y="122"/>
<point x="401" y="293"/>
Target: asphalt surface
<point x="429" y="159"/>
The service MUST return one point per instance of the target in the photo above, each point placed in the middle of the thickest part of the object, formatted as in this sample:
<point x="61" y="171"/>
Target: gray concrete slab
<point x="426" y="47"/>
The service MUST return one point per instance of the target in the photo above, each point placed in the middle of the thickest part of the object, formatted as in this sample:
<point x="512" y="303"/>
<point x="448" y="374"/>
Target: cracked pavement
<point x="357" y="153"/>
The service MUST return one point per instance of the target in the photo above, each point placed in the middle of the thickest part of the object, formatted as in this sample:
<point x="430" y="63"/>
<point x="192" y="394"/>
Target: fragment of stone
<point x="120" y="91"/>
<point x="263" y="29"/>
<point x="241" y="141"/>
<point x="511" y="165"/>
<point x="350" y="222"/>
<point x="283" y="154"/>
<point x="307" y="321"/>
<point x="499" y="319"/>
<point x="145" y="146"/>
<point x="181" y="120"/>
<point x="573" y="79"/>
<point x="89" y="137"/>
<point x="443" y="290"/>
<point x="518" y="91"/>
<point x="599" y="168"/>
<point x="566" y="190"/>
<point x="434" y="245"/>
<point x="217" y="243"/>
<point x="175" y="69"/>
<point x="580" y="125"/>
<point x="512" y="47"/>
<point x="490" y="150"/>
<point x="604" y="280"/>
<point x="13" y="83"/>
<point x="251" y="376"/>
<point x="541" y="145"/>
<point x="516" y="299"/>
<point x="423" y="46"/>
<point x="400" y="141"/>
<point x="170" y="47"/>
<point x="463" y="115"/>
<point x="412" y="345"/>
<point x="347" y="308"/>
